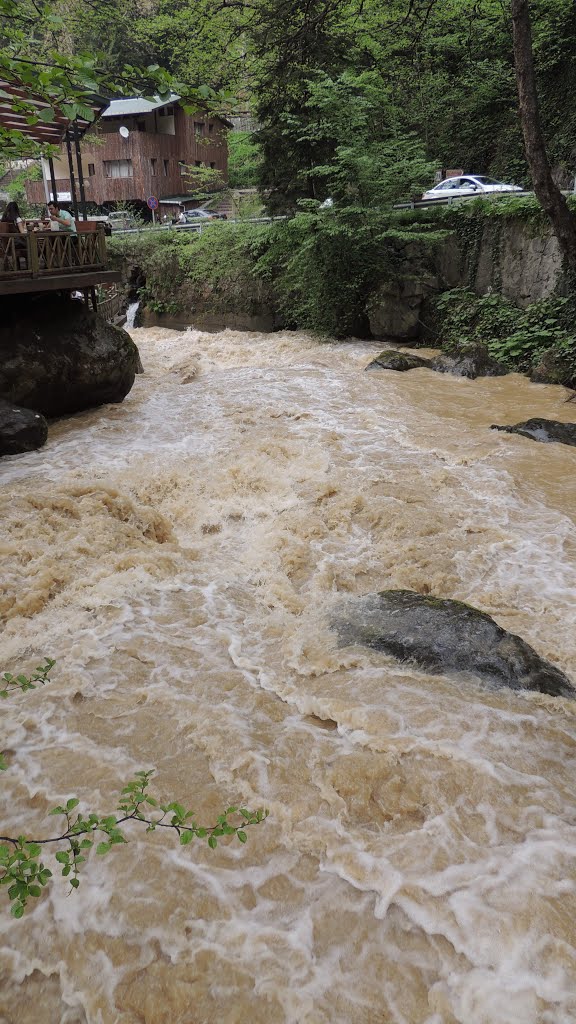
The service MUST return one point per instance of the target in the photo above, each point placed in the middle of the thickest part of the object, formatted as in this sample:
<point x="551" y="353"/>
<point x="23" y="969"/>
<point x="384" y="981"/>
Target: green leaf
<point x="72" y="803"/>
<point x="242" y="836"/>
<point x="213" y="842"/>
<point x="46" y="114"/>
<point x="34" y="890"/>
<point x="103" y="848"/>
<point x="17" y="910"/>
<point x="62" y="857"/>
<point x="74" y="882"/>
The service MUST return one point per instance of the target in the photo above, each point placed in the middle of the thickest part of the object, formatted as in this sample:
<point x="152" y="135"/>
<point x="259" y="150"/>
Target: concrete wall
<point x="511" y="256"/>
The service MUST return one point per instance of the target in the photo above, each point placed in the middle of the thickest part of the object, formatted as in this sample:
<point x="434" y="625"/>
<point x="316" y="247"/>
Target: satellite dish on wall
<point x="124" y="132"/>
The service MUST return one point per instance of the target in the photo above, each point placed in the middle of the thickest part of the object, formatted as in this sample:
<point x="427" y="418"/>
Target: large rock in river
<point x="58" y="357"/>
<point x="543" y="430"/>
<point x="21" y="430"/>
<point x="473" y="362"/>
<point x="390" y="359"/>
<point x="448" y="636"/>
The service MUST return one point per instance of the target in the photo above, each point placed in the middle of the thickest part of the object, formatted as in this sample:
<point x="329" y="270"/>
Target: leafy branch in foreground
<point x="25" y="874"/>
<point x="9" y="683"/>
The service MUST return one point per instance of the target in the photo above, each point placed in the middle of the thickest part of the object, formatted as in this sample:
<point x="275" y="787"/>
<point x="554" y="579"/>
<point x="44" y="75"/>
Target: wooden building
<point x="141" y="148"/>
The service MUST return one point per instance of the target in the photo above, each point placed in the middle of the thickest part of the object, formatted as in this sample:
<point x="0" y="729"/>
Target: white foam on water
<point x="182" y="556"/>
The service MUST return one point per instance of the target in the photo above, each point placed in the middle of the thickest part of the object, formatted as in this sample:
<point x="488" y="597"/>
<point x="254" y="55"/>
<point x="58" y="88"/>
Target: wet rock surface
<point x="392" y="360"/>
<point x="476" y="362"/>
<point x="58" y="357"/>
<point x="447" y="636"/>
<point x="554" y="367"/>
<point x="543" y="430"/>
<point x="21" y="430"/>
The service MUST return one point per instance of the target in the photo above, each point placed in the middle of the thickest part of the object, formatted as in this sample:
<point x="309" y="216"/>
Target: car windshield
<point x="486" y="181"/>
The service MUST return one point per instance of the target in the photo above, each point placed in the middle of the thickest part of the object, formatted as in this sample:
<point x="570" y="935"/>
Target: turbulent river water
<point x="181" y="555"/>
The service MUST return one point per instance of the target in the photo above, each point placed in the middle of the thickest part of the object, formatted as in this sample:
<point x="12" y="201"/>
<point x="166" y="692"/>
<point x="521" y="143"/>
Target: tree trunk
<point x="547" y="192"/>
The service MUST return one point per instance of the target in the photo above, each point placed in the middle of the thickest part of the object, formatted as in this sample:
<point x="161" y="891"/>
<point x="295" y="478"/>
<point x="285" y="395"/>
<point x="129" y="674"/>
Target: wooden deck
<point x="54" y="261"/>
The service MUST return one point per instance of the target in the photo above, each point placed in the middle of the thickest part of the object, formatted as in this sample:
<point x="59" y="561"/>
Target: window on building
<point x="199" y="127"/>
<point x="210" y="129"/>
<point x="118" y="169"/>
<point x="212" y="165"/>
<point x="153" y="164"/>
<point x="91" y="169"/>
<point x="166" y="112"/>
<point x="166" y="166"/>
<point x="182" y="166"/>
<point x="197" y="163"/>
<point x="141" y="126"/>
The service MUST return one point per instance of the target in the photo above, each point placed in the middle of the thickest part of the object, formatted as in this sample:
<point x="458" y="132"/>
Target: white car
<point x="199" y="214"/>
<point x="468" y="185"/>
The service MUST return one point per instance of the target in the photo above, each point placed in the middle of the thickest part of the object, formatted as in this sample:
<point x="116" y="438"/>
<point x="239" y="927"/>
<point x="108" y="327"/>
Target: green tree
<point x="327" y="259"/>
<point x="38" y="59"/>
<point x="244" y="160"/>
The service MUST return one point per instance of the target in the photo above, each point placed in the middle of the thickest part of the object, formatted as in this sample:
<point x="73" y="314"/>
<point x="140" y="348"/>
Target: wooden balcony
<point x="54" y="260"/>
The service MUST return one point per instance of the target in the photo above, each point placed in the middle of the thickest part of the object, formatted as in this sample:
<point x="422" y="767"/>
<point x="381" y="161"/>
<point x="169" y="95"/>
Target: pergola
<point x="60" y="129"/>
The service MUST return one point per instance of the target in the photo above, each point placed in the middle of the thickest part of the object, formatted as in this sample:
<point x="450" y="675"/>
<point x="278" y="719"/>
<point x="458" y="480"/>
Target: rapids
<point x="180" y="555"/>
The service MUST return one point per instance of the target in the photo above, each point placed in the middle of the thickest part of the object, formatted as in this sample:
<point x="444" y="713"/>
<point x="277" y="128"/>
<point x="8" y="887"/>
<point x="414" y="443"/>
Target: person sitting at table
<point x="14" y="258"/>
<point x="12" y="216"/>
<point x="61" y="220"/>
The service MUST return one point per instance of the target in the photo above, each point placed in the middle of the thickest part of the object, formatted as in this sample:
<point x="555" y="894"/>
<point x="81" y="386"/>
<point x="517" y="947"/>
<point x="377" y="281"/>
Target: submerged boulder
<point x="472" y="363"/>
<point x="59" y="357"/>
<point x="390" y="359"/>
<point x="21" y="430"/>
<point x="543" y="430"/>
<point x="448" y="636"/>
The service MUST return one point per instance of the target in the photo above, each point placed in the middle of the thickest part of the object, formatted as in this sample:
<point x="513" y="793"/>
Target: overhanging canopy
<point x="44" y="133"/>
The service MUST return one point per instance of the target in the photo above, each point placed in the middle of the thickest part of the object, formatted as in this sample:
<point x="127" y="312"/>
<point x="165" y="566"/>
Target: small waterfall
<point x="131" y="314"/>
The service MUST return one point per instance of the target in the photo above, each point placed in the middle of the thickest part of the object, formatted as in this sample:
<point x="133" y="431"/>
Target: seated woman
<point x="12" y="216"/>
<point x="14" y="257"/>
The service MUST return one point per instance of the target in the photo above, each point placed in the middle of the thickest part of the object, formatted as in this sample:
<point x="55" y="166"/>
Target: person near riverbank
<point x="61" y="220"/>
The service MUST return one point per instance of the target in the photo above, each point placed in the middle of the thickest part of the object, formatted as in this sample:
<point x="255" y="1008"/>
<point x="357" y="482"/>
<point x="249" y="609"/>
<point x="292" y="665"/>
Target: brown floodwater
<point x="181" y="556"/>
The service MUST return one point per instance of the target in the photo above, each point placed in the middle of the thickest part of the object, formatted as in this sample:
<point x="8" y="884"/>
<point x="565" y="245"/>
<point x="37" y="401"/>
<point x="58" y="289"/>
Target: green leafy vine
<point x="26" y="875"/>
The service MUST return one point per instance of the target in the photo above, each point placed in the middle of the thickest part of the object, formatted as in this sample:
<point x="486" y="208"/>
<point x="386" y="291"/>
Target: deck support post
<point x="52" y="180"/>
<point x="72" y="178"/>
<point x="80" y="172"/>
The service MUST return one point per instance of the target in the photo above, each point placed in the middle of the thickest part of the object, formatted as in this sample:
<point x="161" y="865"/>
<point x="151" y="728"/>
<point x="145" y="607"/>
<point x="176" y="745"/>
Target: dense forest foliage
<point x="443" y="70"/>
<point x="357" y="102"/>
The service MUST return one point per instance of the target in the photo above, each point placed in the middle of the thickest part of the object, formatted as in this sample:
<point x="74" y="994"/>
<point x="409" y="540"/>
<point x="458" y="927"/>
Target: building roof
<point x="43" y="132"/>
<point x="137" y="105"/>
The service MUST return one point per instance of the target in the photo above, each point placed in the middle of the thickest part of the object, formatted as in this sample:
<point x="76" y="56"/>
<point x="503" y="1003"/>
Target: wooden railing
<point x="111" y="302"/>
<point x="46" y="253"/>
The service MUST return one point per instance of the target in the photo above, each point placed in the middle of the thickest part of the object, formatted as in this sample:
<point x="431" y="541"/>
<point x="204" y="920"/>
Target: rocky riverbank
<point x="57" y="357"/>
